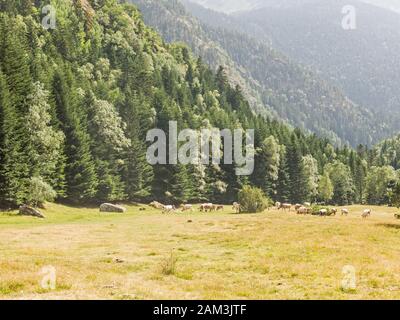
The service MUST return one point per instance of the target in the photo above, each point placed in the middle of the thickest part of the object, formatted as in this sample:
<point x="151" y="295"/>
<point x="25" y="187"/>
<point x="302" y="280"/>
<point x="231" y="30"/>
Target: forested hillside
<point x="292" y="92"/>
<point x="76" y="103"/>
<point x="171" y="20"/>
<point x="363" y="62"/>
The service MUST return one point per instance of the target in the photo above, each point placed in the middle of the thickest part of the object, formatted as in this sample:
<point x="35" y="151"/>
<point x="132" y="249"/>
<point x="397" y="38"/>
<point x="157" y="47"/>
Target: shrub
<point x="39" y="192"/>
<point x="168" y="266"/>
<point x="315" y="209"/>
<point x="253" y="200"/>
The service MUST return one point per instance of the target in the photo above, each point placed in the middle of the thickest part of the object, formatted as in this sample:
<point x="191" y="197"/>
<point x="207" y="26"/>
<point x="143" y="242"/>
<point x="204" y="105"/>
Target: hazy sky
<point x="230" y="6"/>
<point x="390" y="4"/>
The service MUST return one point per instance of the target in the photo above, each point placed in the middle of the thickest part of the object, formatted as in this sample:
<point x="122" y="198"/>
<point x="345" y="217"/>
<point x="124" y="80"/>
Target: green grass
<point x="272" y="255"/>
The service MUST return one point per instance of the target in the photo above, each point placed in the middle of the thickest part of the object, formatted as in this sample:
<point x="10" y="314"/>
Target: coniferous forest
<point x="77" y="101"/>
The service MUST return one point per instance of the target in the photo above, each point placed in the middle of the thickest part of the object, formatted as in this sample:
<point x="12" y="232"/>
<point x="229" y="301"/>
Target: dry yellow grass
<point x="148" y="255"/>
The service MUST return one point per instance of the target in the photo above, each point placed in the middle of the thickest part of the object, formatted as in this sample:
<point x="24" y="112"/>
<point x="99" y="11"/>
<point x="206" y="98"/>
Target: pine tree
<point x="14" y="172"/>
<point x="80" y="170"/>
<point x="295" y="171"/>
<point x="16" y="164"/>
<point x="283" y="184"/>
<point x="138" y="174"/>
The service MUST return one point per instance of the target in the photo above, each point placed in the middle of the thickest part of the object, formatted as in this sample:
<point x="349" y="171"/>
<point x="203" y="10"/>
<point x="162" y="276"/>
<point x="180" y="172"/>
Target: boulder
<point x="29" y="211"/>
<point x="108" y="207"/>
<point x="156" y="205"/>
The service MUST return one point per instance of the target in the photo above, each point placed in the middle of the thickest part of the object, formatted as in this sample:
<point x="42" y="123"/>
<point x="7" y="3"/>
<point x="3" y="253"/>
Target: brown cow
<point x="187" y="207"/>
<point x="285" y="206"/>
<point x="206" y="207"/>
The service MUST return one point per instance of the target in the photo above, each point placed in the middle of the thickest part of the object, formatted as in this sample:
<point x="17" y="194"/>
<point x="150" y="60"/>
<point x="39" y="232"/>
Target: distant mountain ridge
<point x="232" y="6"/>
<point x="364" y="63"/>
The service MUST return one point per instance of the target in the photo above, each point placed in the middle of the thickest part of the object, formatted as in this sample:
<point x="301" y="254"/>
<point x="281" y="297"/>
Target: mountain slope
<point x="364" y="62"/>
<point x="291" y="91"/>
<point x="77" y="103"/>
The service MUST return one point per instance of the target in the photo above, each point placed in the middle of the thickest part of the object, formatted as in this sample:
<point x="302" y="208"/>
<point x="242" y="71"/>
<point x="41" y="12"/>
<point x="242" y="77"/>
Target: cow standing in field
<point x="206" y="207"/>
<point x="236" y="207"/>
<point x="345" y="212"/>
<point x="168" y="209"/>
<point x="297" y="206"/>
<point x="366" y="213"/>
<point x="323" y="212"/>
<point x="285" y="206"/>
<point x="187" y="207"/>
<point x="219" y="208"/>
<point x="303" y="210"/>
<point x="333" y="212"/>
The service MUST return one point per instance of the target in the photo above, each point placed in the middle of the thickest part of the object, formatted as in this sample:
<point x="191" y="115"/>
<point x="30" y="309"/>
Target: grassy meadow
<point x="150" y="255"/>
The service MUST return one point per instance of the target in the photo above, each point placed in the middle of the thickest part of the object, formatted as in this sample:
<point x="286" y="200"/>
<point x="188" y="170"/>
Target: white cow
<point x="303" y="210"/>
<point x="323" y="212"/>
<point x="366" y="213"/>
<point x="168" y="209"/>
<point x="345" y="212"/>
<point x="236" y="207"/>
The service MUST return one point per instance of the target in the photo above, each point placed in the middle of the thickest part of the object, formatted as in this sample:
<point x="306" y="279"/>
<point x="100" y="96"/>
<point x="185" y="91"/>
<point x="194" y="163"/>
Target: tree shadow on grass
<point x="389" y="225"/>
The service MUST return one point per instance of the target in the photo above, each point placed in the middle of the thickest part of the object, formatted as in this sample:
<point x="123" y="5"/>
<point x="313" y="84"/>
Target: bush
<point x="315" y="209"/>
<point x="39" y="192"/>
<point x="253" y="200"/>
<point x="168" y="266"/>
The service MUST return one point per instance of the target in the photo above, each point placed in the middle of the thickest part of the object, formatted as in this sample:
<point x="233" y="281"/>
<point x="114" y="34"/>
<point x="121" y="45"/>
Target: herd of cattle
<point x="306" y="209"/>
<point x="303" y="209"/>
<point x="205" y="207"/>
<point x="300" y="209"/>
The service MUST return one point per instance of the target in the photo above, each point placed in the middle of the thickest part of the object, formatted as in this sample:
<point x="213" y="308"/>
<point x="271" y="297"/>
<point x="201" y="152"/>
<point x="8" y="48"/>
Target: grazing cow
<point x="236" y="207"/>
<point x="285" y="206"/>
<point x="168" y="209"/>
<point x="333" y="212"/>
<point x="345" y="212"/>
<point x="219" y="207"/>
<point x="206" y="207"/>
<point x="307" y="204"/>
<point x="278" y="205"/>
<point x="297" y="206"/>
<point x="323" y="212"/>
<point x="187" y="207"/>
<point x="303" y="210"/>
<point x="366" y="213"/>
